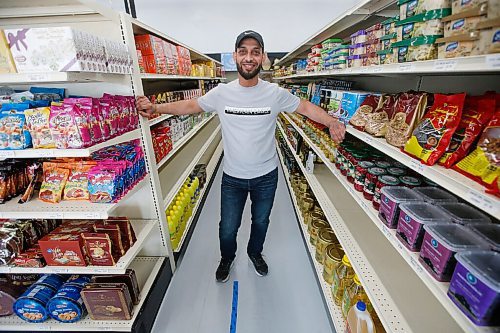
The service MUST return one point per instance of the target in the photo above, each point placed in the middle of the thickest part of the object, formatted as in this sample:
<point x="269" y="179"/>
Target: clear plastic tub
<point x="387" y="56"/>
<point x="374" y="32"/>
<point x="434" y="195"/>
<point x="391" y="198"/>
<point x="441" y="242"/>
<point x="417" y="49"/>
<point x="354" y="61"/>
<point x="464" y="214"/>
<point x="389" y="25"/>
<point x="358" y="37"/>
<point x="370" y="59"/>
<point x="357" y="49"/>
<point x="475" y="286"/>
<point x="489" y="232"/>
<point x="412" y="218"/>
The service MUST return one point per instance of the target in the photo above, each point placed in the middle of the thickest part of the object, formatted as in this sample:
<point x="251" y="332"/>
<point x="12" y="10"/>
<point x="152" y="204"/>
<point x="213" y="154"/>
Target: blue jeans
<point x="233" y="198"/>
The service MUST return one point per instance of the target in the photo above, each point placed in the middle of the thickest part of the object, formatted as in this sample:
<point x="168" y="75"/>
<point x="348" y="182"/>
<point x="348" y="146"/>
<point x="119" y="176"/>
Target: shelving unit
<point x="159" y="119"/>
<point x="147" y="76"/>
<point x="57" y="77"/>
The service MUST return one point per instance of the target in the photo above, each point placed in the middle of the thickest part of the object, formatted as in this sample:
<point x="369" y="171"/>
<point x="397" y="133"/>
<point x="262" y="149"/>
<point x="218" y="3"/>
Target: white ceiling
<point x="211" y="26"/>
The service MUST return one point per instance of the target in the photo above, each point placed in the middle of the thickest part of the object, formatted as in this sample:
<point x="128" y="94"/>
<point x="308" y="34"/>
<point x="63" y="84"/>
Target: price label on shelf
<point x="55" y="215"/>
<point x="417" y="166"/>
<point x="493" y="60"/>
<point x="7" y="154"/>
<point x="42" y="328"/>
<point x="377" y="69"/>
<point x="482" y="201"/>
<point x="39" y="77"/>
<point x="61" y="270"/>
<point x="97" y="270"/>
<point x="406" y="68"/>
<point x="91" y="215"/>
<point x="44" y="152"/>
<point x="416" y="265"/>
<point x="445" y="65"/>
<point x="364" y="69"/>
<point x="386" y="231"/>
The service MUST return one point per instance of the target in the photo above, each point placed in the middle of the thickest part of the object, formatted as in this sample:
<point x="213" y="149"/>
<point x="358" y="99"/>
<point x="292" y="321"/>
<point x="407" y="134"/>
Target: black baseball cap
<point x="249" y="34"/>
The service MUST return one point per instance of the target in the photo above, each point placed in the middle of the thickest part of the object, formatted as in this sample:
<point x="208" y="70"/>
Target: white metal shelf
<point x="400" y="298"/>
<point x="182" y="141"/>
<point x="84" y="152"/>
<point x="150" y="76"/>
<point x="211" y="169"/>
<point x="334" y="310"/>
<point x="474" y="64"/>
<point x="146" y="269"/>
<point x="37" y="209"/>
<point x="159" y="119"/>
<point x="178" y="185"/>
<point x="57" y="77"/>
<point x="142" y="230"/>
<point x="439" y="289"/>
<point x="453" y="181"/>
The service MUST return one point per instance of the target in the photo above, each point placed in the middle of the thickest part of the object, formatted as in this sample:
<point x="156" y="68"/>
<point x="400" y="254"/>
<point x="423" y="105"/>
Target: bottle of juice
<point x="352" y="294"/>
<point x="342" y="278"/>
<point x="359" y="320"/>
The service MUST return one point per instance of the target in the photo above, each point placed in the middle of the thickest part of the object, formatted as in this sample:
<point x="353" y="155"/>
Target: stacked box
<point x="153" y="53"/>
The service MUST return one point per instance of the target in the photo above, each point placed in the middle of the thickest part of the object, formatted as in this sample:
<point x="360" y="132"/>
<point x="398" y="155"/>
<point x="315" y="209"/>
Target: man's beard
<point x="248" y="75"/>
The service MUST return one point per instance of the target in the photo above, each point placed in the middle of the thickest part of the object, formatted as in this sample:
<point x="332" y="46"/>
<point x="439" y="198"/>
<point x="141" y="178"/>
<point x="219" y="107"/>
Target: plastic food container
<point x="412" y="218"/>
<point x="388" y="56"/>
<point x="427" y="24"/>
<point x="391" y="198"/>
<point x="370" y="59"/>
<point x="435" y="196"/>
<point x="417" y="49"/>
<point x="489" y="232"/>
<point x="354" y="61"/>
<point x="374" y="32"/>
<point x="441" y="242"/>
<point x="316" y="48"/>
<point x="331" y="43"/>
<point x="373" y="46"/>
<point x="464" y="214"/>
<point x="340" y="64"/>
<point x="387" y="40"/>
<point x="456" y="49"/>
<point x="475" y="286"/>
<point x="389" y="25"/>
<point x="358" y="37"/>
<point x="408" y="8"/>
<point x="357" y="49"/>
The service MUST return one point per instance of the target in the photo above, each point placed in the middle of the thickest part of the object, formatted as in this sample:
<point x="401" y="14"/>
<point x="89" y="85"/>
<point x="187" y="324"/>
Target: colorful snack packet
<point x="37" y="121"/>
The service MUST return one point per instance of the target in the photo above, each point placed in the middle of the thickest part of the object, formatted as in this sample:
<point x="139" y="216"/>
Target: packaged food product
<point x="98" y="248"/>
<point x="389" y="25"/>
<point x="370" y="59"/>
<point x="54" y="281"/>
<point x="384" y="180"/>
<point x="374" y="32"/>
<point x="396" y="172"/>
<point x="354" y="61"/>
<point x="462" y="26"/>
<point x="358" y="37"/>
<point x="434" y="195"/>
<point x="354" y="293"/>
<point x="54" y="181"/>
<point x="426" y="24"/>
<point x="369" y="105"/>
<point x="408" y="8"/>
<point x="62" y="250"/>
<point x="6" y="304"/>
<point x="371" y="180"/>
<point x="6" y="62"/>
<point x="408" y="109"/>
<point x="432" y="136"/>
<point x="331" y="260"/>
<point x="412" y="218"/>
<point x="127" y="231"/>
<point x="490" y="232"/>
<point x="477" y="112"/>
<point x="417" y="49"/>
<point x="37" y="121"/>
<point x="66" y="305"/>
<point x="390" y="199"/>
<point x="114" y="233"/>
<point x="31" y="306"/>
<point x="441" y="243"/>
<point x="464" y="214"/>
<point x="488" y="38"/>
<point x="13" y="131"/>
<point x="314" y="228"/>
<point x="331" y="43"/>
<point x="475" y="286"/>
<point x="63" y="127"/>
<point x="453" y="47"/>
<point x="410" y="181"/>
<point x="387" y="56"/>
<point x="351" y="101"/>
<point x="341" y="279"/>
<point x="129" y="278"/>
<point x="325" y="238"/>
<point x="76" y="187"/>
<point x="78" y="280"/>
<point x="377" y="121"/>
<point x="108" y="301"/>
<point x="460" y="6"/>
<point x="357" y="49"/>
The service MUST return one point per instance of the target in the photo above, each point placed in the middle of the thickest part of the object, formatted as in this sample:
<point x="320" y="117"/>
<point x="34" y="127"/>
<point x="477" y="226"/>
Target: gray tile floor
<point x="288" y="300"/>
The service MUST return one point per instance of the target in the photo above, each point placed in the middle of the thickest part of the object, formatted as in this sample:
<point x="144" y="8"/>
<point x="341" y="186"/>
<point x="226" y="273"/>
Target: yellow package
<point x="6" y="62"/>
<point x="37" y="121"/>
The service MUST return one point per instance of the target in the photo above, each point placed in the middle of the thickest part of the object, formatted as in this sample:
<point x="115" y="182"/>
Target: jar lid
<point x="389" y="180"/>
<point x="346" y="261"/>
<point x="327" y="235"/>
<point x="383" y="164"/>
<point x="366" y="164"/>
<point x="396" y="171"/>
<point x="356" y="279"/>
<point x="334" y="252"/>
<point x="376" y="171"/>
<point x="409" y="180"/>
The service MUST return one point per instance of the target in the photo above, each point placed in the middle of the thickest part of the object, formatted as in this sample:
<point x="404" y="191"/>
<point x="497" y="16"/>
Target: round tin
<point x="67" y="305"/>
<point x="31" y="306"/>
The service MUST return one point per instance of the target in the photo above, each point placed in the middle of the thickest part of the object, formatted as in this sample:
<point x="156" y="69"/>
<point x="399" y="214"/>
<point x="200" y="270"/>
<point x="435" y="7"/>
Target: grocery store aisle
<point x="287" y="300"/>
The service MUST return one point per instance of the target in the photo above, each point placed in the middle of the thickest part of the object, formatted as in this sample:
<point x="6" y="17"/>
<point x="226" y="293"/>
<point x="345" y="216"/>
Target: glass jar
<point x="371" y="181"/>
<point x="384" y="180"/>
<point x="360" y="174"/>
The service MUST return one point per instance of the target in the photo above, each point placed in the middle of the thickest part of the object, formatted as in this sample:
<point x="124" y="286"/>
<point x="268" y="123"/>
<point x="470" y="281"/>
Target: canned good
<point x="31" y="306"/>
<point x="396" y="172"/>
<point x="78" y="280"/>
<point x="360" y="174"/>
<point x="306" y="205"/>
<point x="314" y="216"/>
<point x="54" y="281"/>
<point x="383" y="164"/>
<point x="325" y="238"/>
<point x="384" y="180"/>
<point x="331" y="260"/>
<point x="67" y="305"/>
<point x="371" y="181"/>
<point x="314" y="228"/>
<point x="410" y="181"/>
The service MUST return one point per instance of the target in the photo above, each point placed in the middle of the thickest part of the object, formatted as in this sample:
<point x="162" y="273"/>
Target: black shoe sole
<point x="255" y="269"/>
<point x="228" y="275"/>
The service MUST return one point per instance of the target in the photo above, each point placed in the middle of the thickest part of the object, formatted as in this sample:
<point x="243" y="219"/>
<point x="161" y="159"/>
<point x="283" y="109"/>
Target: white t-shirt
<point x="248" y="121"/>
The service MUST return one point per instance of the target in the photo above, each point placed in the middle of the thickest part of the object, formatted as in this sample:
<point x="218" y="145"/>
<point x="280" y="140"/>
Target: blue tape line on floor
<point x="234" y="308"/>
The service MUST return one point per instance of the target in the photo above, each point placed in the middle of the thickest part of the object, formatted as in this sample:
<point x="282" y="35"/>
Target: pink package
<point x="134" y="115"/>
<point x="110" y="115"/>
<point x="124" y="113"/>
<point x="100" y="126"/>
<point x="85" y="109"/>
<point x="63" y="126"/>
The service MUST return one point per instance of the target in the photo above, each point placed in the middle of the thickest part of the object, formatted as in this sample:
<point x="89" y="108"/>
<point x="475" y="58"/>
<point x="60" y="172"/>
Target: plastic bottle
<point x="341" y="278"/>
<point x="352" y="294"/>
<point x="359" y="320"/>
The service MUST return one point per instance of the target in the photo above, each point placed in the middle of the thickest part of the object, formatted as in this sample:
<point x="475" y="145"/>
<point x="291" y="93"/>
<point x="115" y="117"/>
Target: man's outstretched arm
<point x="311" y="111"/>
<point x="146" y="108"/>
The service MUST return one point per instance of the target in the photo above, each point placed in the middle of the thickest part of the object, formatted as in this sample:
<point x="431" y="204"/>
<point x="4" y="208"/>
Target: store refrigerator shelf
<point x="182" y="141"/>
<point x="451" y="180"/>
<point x="146" y="269"/>
<point x="37" y="209"/>
<point x="400" y="298"/>
<point x="439" y="289"/>
<point x="56" y="77"/>
<point x="334" y="310"/>
<point x="178" y="185"/>
<point x="84" y="152"/>
<point x="211" y="169"/>
<point x="159" y="119"/>
<point x="142" y="228"/>
<point x="148" y="76"/>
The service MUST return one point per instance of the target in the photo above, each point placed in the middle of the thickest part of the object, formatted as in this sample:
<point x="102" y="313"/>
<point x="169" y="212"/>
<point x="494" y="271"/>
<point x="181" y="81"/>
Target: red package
<point x="478" y="111"/>
<point x="62" y="250"/>
<point x="433" y="135"/>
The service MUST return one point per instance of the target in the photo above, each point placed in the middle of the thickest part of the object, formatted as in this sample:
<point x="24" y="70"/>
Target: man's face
<point x="248" y="58"/>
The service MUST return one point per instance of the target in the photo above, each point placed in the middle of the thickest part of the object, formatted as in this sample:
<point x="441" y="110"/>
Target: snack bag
<point x="376" y="122"/>
<point x="483" y="164"/>
<point x="477" y="113"/>
<point x="99" y="124"/>
<point x="102" y="185"/>
<point x="37" y="121"/>
<point x="110" y="115"/>
<point x="63" y="127"/>
<point x="360" y="118"/>
<point x="80" y="117"/>
<point x="54" y="180"/>
<point x="408" y="110"/>
<point x="13" y="131"/>
<point x="76" y="187"/>
<point x="433" y="135"/>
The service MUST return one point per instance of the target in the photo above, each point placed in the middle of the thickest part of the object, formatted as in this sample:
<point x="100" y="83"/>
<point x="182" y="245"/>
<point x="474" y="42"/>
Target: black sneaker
<point x="259" y="264"/>
<point x="222" y="273"/>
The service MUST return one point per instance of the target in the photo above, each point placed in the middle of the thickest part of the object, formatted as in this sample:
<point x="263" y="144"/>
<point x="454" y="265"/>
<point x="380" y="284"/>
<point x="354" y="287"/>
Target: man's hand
<point x="337" y="131"/>
<point x="144" y="105"/>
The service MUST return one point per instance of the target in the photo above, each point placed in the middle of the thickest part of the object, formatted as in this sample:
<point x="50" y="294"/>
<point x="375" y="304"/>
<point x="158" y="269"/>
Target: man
<point x="247" y="109"/>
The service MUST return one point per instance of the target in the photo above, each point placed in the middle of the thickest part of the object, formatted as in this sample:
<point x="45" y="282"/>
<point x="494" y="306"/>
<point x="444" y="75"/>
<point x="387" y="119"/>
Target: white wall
<point x="211" y="26"/>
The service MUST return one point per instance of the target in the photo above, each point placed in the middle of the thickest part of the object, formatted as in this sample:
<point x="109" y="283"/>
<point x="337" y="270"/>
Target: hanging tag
<point x="310" y="162"/>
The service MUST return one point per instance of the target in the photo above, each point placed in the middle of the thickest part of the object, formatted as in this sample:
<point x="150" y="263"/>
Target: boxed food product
<point x="412" y="218"/>
<point x="32" y="305"/>
<point x="434" y="195"/>
<point x="475" y="286"/>
<point x="149" y="45"/>
<point x="441" y="243"/>
<point x="453" y="47"/>
<point x="417" y="49"/>
<point x="351" y="100"/>
<point x="428" y="24"/>
<point x="358" y="37"/>
<point x="114" y="233"/>
<point x="390" y="199"/>
<point x="129" y="278"/>
<point x="462" y="26"/>
<point x="331" y="43"/>
<point x="490" y="232"/>
<point x="387" y="56"/>
<point x="108" y="301"/>
<point x="464" y="6"/>
<point x="66" y="305"/>
<point x="370" y="59"/>
<point x="62" y="250"/>
<point x="409" y="8"/>
<point x="464" y="214"/>
<point x="98" y="248"/>
<point x="488" y="38"/>
<point x="389" y="25"/>
<point x="354" y="61"/>
<point x="6" y="61"/>
<point x="374" y="32"/>
<point x="357" y="49"/>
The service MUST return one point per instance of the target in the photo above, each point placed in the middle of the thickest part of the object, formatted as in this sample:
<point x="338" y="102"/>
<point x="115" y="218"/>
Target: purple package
<point x="390" y="199"/>
<point x="475" y="286"/>
<point x="441" y="242"/>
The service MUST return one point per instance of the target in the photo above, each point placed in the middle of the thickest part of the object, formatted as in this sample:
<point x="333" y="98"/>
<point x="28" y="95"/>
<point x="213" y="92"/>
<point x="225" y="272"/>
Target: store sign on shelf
<point x="481" y="201"/>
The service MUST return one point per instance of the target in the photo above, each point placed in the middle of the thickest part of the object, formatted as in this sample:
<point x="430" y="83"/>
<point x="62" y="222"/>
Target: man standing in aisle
<point x="247" y="109"/>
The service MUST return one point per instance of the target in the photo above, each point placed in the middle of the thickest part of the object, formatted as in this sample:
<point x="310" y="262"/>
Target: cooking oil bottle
<point x="343" y="277"/>
<point x="352" y="294"/>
